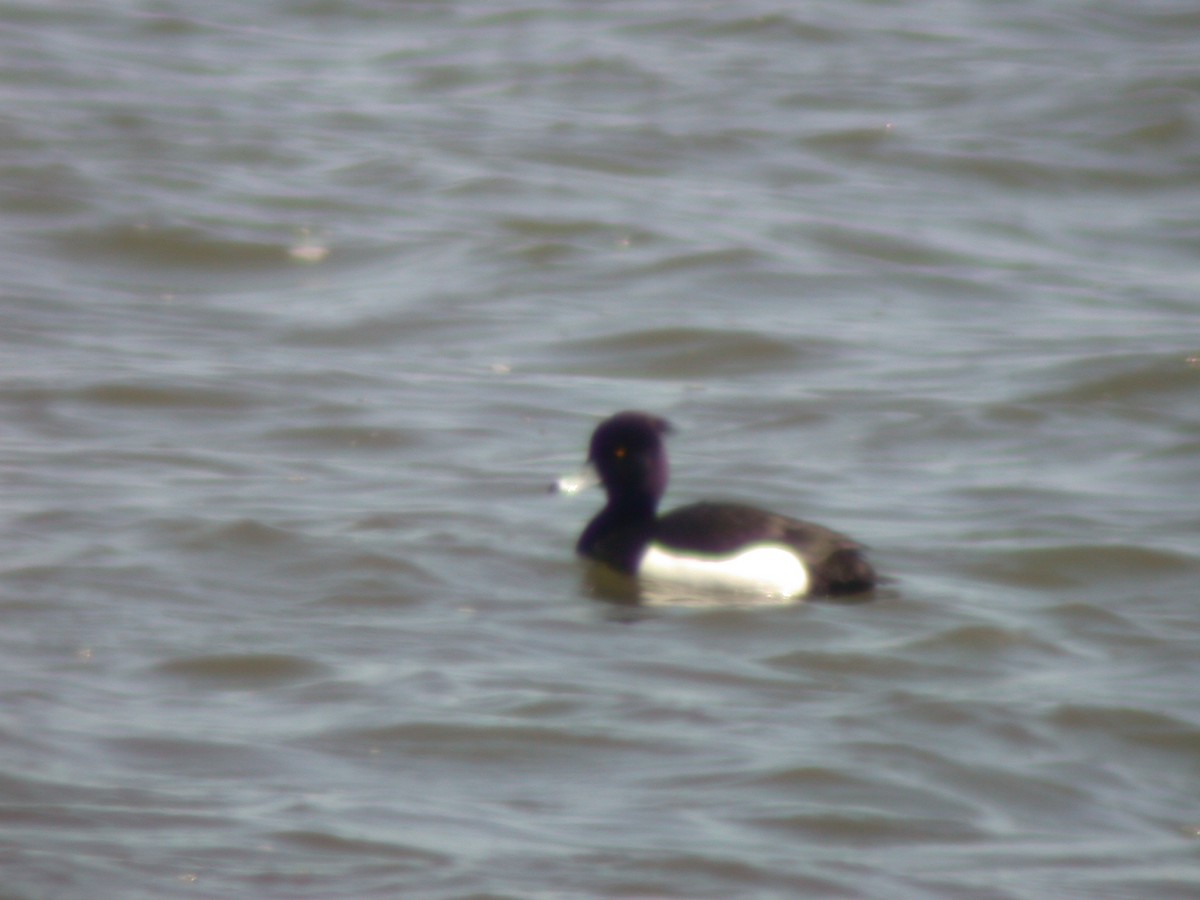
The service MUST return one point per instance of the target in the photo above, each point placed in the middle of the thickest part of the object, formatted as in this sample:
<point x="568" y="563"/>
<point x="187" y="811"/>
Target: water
<point x="305" y="304"/>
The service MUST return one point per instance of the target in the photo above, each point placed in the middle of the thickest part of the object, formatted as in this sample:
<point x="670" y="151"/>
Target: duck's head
<point x="628" y="455"/>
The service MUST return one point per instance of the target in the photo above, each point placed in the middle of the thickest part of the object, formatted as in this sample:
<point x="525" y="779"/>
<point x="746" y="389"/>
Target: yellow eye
<point x="620" y="452"/>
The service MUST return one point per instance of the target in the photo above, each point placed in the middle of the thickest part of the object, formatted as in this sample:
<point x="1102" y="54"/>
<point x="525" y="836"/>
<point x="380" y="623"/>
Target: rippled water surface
<point x="304" y="305"/>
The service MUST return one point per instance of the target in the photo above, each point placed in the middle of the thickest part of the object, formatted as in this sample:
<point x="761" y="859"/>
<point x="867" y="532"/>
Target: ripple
<point x="992" y="790"/>
<point x="885" y="246"/>
<point x="1130" y="381"/>
<point x="242" y="671"/>
<point x="979" y="642"/>
<point x="1080" y="565"/>
<point x="339" y="846"/>
<point x="373" y="581"/>
<point x="166" y="396"/>
<point x="824" y="790"/>
<point x="1149" y="729"/>
<point x="721" y="259"/>
<point x="194" y="757"/>
<point x="243" y="535"/>
<point x="860" y="667"/>
<point x="871" y="828"/>
<point x="361" y="437"/>
<point x="682" y="353"/>
<point x="497" y="744"/>
<point x="367" y="331"/>
<point x="174" y="246"/>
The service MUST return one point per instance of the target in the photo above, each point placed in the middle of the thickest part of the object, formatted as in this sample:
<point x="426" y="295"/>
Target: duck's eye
<point x="620" y="452"/>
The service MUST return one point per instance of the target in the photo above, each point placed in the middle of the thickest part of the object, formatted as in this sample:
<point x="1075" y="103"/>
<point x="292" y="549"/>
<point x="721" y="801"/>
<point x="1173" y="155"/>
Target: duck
<point x="706" y="545"/>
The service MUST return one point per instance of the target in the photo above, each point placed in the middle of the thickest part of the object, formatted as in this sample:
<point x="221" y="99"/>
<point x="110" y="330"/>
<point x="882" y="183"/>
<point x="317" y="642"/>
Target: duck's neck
<point x="625" y="511"/>
<point x="631" y="508"/>
<point x="621" y="529"/>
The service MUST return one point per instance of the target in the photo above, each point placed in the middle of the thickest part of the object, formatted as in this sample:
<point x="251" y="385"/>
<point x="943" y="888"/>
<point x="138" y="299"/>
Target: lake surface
<point x="305" y="304"/>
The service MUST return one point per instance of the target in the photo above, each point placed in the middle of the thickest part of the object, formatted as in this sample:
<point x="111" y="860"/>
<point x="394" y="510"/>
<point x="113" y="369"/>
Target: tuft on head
<point x="630" y="430"/>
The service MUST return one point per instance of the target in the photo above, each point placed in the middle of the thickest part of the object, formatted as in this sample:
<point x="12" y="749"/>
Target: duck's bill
<point x="579" y="481"/>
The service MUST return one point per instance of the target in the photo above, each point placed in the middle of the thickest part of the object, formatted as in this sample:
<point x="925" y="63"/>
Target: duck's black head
<point x="628" y="454"/>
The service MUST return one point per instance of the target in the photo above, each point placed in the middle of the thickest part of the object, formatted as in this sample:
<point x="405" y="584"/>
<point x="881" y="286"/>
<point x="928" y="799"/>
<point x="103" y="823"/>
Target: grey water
<point x="304" y="304"/>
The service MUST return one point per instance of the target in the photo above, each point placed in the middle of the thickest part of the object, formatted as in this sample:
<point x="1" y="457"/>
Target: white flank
<point x="769" y="570"/>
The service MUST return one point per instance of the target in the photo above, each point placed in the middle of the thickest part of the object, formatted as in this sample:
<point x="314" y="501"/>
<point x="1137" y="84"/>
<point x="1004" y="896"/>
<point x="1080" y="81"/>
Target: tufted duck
<point x="719" y="545"/>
